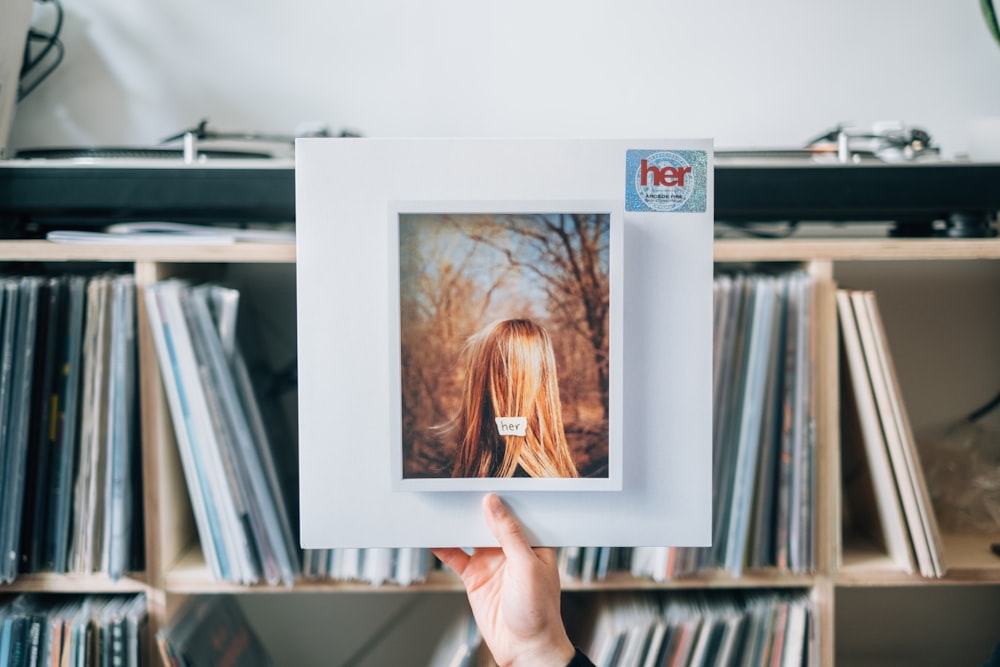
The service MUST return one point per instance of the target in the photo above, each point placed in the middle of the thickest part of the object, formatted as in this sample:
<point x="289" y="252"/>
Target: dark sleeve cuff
<point x="580" y="660"/>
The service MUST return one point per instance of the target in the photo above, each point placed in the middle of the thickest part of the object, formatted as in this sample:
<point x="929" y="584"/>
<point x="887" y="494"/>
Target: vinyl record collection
<point x="244" y="521"/>
<point x="590" y="564"/>
<point x="239" y="508"/>
<point x="73" y="630"/>
<point x="763" y="433"/>
<point x="759" y="628"/>
<point x="403" y="566"/>
<point x="68" y="444"/>
<point x="763" y="440"/>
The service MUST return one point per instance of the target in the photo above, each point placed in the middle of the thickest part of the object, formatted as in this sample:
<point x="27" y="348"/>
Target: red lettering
<point x="645" y="170"/>
<point x="663" y="177"/>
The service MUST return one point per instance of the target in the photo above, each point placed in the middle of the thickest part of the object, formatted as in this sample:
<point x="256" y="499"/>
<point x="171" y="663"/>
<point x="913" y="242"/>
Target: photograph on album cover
<point x="504" y="354"/>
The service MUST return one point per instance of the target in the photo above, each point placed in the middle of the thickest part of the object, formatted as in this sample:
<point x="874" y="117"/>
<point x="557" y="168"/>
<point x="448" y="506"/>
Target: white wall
<point x="765" y="73"/>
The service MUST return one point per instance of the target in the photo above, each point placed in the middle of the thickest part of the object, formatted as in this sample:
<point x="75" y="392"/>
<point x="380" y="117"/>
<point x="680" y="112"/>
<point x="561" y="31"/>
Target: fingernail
<point x="494" y="504"/>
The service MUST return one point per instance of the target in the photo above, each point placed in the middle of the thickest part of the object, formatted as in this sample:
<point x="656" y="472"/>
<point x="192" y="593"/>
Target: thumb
<point x="505" y="528"/>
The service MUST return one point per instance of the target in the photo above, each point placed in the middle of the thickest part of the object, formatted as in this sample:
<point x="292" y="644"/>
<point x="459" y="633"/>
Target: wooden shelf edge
<point x="47" y="251"/>
<point x="190" y="575"/>
<point x="825" y="249"/>
<point x="623" y="581"/>
<point x="881" y="579"/>
<point x="725" y="250"/>
<point x="48" y="582"/>
<point x="968" y="560"/>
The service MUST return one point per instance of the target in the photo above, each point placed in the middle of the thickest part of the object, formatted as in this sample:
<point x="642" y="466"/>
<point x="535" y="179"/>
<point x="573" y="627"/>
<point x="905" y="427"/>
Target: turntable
<point x="201" y="181"/>
<point x="197" y="176"/>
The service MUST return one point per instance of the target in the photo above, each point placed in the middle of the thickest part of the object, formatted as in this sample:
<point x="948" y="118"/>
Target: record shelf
<point x="942" y="319"/>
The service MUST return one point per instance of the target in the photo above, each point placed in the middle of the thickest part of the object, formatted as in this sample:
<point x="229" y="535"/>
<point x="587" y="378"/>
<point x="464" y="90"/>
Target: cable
<point x="53" y="39"/>
<point x="30" y="62"/>
<point x="981" y="412"/>
<point x="25" y="89"/>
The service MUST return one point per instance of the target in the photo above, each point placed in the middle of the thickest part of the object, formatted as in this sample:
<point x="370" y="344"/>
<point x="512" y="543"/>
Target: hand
<point x="514" y="594"/>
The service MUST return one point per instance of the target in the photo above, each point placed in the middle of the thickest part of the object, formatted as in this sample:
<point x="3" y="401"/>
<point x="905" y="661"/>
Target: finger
<point x="505" y="528"/>
<point x="547" y="555"/>
<point x="454" y="558"/>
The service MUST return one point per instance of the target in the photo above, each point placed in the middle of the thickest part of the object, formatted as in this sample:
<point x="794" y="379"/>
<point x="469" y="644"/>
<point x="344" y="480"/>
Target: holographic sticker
<point x="666" y="181"/>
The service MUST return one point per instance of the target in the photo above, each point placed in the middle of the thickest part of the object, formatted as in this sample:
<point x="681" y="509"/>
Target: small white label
<point x="512" y="425"/>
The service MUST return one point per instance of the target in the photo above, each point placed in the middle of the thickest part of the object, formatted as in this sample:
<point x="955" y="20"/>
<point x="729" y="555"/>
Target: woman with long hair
<point x="511" y="374"/>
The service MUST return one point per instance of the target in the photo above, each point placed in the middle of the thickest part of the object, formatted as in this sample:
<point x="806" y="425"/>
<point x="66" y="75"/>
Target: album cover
<point x="528" y="317"/>
<point x="505" y="345"/>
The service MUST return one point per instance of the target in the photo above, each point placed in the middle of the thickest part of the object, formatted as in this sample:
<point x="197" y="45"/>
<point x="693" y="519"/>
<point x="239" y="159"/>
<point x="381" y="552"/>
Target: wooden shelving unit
<point x="175" y="564"/>
<point x="175" y="567"/>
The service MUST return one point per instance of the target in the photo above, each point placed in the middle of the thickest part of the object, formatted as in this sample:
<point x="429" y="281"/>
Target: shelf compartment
<point x="968" y="560"/>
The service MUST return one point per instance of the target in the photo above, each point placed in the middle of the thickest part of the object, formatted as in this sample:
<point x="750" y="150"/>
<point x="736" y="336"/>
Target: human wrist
<point x="555" y="652"/>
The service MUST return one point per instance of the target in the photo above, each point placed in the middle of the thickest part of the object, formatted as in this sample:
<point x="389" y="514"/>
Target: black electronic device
<point x="91" y="188"/>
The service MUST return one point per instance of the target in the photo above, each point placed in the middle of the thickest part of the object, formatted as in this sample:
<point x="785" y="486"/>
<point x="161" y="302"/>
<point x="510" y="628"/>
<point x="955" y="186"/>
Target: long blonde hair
<point x="511" y="373"/>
